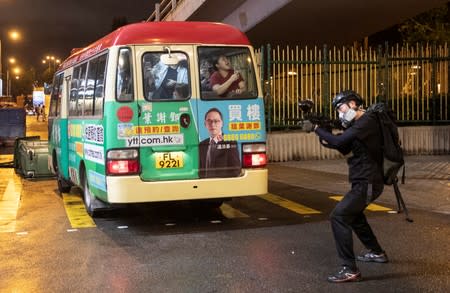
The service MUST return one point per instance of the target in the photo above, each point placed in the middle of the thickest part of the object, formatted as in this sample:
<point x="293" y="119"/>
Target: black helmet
<point x="344" y="97"/>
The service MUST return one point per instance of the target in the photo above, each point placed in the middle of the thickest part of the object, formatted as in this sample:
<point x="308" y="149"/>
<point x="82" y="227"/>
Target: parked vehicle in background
<point x="12" y="123"/>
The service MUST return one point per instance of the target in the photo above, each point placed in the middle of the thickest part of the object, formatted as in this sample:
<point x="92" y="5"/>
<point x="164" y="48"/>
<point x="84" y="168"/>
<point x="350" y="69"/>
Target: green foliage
<point x="431" y="26"/>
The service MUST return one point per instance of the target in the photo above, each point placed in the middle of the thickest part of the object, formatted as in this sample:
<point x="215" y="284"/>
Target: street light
<point x="50" y="59"/>
<point x="52" y="62"/>
<point x="13" y="35"/>
<point x="16" y="70"/>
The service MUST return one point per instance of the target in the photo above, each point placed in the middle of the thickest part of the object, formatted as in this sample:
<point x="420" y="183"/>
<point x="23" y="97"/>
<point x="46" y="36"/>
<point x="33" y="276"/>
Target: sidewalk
<point x="427" y="180"/>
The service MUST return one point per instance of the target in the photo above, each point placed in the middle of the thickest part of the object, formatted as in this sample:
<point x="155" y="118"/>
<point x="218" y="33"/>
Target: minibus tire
<point x="88" y="198"/>
<point x="63" y="186"/>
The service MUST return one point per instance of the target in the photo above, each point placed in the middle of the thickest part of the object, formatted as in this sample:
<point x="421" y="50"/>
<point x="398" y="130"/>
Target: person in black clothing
<point x="363" y="138"/>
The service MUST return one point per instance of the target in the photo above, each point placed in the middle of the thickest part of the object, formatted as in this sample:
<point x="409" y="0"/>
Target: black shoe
<point x="346" y="274"/>
<point x="371" y="256"/>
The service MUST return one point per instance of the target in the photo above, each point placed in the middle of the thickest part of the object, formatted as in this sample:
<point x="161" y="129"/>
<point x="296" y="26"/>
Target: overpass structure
<point x="299" y="22"/>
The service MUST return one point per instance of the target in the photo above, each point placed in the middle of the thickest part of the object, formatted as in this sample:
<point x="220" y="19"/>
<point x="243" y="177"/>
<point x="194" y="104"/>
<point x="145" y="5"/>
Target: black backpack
<point x="393" y="159"/>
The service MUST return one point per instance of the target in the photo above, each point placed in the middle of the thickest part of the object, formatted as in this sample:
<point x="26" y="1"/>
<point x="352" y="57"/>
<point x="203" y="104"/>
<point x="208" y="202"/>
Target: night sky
<point x="54" y="27"/>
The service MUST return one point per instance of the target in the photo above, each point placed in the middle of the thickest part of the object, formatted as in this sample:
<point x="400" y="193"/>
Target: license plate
<point x="169" y="160"/>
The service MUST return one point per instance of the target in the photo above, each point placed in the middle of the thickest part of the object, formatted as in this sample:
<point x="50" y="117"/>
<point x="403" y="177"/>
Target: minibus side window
<point x="81" y="89"/>
<point x="165" y="76"/>
<point x="74" y="92"/>
<point x="77" y="90"/>
<point x="99" y="94"/>
<point x="59" y="97"/>
<point x="124" y="80"/>
<point x="55" y="100"/>
<point x="90" y="84"/>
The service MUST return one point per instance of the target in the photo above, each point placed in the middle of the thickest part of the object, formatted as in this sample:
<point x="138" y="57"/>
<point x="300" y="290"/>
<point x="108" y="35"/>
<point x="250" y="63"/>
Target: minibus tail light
<point x="122" y="162"/>
<point x="254" y="155"/>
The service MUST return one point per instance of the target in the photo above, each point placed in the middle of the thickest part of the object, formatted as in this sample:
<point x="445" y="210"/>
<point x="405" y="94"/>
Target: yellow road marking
<point x="76" y="212"/>
<point x="6" y="158"/>
<point x="372" y="207"/>
<point x="10" y="201"/>
<point x="232" y="213"/>
<point x="290" y="205"/>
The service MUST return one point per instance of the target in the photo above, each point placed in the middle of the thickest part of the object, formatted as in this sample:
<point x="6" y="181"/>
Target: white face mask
<point x="347" y="117"/>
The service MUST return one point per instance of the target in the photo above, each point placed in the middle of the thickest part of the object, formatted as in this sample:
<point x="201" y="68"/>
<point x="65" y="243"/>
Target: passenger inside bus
<point x="166" y="77"/>
<point x="181" y="91"/>
<point x="225" y="81"/>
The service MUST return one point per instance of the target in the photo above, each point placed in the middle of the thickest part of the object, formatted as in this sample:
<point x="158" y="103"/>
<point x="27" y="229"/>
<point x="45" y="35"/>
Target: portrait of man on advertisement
<point x="218" y="158"/>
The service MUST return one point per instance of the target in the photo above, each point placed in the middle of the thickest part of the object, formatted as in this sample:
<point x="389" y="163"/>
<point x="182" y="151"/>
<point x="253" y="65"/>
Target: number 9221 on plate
<point x="169" y="160"/>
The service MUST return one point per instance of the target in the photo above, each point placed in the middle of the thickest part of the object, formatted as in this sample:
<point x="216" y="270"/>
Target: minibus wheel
<point x="63" y="186"/>
<point x="88" y="198"/>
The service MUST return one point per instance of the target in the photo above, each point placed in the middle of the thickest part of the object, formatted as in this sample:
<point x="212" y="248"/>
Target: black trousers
<point x="349" y="215"/>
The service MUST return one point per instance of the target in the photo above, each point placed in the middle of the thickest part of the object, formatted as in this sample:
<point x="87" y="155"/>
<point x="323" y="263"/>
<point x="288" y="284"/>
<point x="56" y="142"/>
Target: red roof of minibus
<point x="166" y="32"/>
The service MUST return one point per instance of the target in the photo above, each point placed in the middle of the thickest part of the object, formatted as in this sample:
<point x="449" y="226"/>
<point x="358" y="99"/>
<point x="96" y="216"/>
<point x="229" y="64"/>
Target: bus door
<point x="167" y="134"/>
<point x="57" y="125"/>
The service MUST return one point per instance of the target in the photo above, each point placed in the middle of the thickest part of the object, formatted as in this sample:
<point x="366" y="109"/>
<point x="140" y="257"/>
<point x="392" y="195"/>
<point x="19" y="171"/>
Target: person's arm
<point x="182" y="75"/>
<point x="221" y="89"/>
<point x="341" y="142"/>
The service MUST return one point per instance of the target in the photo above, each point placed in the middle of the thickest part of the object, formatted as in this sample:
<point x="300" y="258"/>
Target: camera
<point x="310" y="119"/>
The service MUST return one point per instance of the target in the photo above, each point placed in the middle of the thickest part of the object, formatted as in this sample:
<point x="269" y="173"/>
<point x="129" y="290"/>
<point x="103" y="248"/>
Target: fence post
<point x="381" y="76"/>
<point x="433" y="82"/>
<point x="326" y="82"/>
<point x="269" y="89"/>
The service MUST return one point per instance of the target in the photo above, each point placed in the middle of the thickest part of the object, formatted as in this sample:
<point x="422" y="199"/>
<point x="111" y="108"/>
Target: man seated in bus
<point x="218" y="158"/>
<point x="166" y="77"/>
<point x="225" y="81"/>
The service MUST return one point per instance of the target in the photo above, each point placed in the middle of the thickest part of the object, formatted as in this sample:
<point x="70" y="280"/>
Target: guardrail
<point x="162" y="9"/>
<point x="413" y="80"/>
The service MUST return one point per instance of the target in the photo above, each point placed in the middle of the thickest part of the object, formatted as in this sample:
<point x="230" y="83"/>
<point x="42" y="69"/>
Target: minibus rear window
<point x="226" y="73"/>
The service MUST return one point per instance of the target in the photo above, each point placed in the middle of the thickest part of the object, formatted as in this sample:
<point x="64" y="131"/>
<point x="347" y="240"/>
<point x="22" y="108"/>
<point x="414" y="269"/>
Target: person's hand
<point x="171" y="83"/>
<point x="219" y="137"/>
<point x="308" y="126"/>
<point x="235" y="76"/>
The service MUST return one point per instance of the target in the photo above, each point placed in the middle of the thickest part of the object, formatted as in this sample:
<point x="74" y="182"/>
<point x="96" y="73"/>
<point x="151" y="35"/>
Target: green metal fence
<point x="413" y="80"/>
